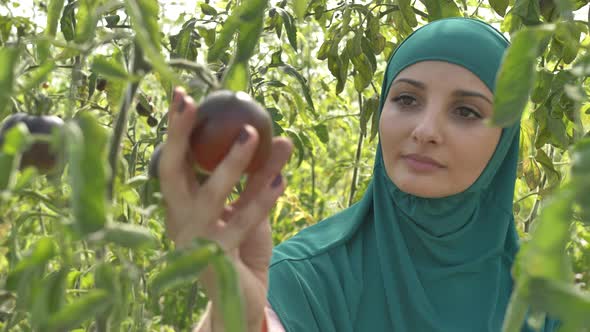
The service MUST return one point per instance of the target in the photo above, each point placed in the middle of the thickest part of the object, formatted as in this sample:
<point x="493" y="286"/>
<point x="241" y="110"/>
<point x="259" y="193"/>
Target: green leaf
<point x="542" y="86"/>
<point x="183" y="267"/>
<point x="44" y="250"/>
<point x="8" y="59"/>
<point x="353" y="45"/>
<point x="545" y="256"/>
<point x="298" y="145"/>
<point x="338" y="66"/>
<point x="369" y="53"/>
<point x="86" y="307"/>
<point x="87" y="148"/>
<point x="248" y="36"/>
<point x="231" y="303"/>
<point x="49" y="298"/>
<point x="144" y="16"/>
<point x="374" y="124"/>
<point x="39" y="75"/>
<point x="86" y="20"/>
<point x="567" y="35"/>
<point x="237" y="77"/>
<point x="289" y="70"/>
<point x="12" y="143"/>
<point x="112" y="20"/>
<point x="528" y="11"/>
<point x="185" y="45"/>
<point x="322" y="133"/>
<point x="401" y="26"/>
<point x="364" y="72"/>
<point x="323" y="52"/>
<point x="299" y="8"/>
<point x="106" y="277"/>
<point x="53" y="12"/>
<point x="440" y="9"/>
<point x="208" y="35"/>
<point x="15" y="139"/>
<point x="207" y="9"/>
<point x="565" y="8"/>
<point x="130" y="236"/>
<point x="516" y="77"/>
<point x="581" y="158"/>
<point x="407" y="12"/>
<point x="546" y="162"/>
<point x="499" y="6"/>
<point x="223" y="38"/>
<point x="246" y="19"/>
<point x="276" y="58"/>
<point x="558" y="132"/>
<point x="370" y="107"/>
<point x="68" y="22"/>
<point x="5" y="28"/>
<point x="560" y="300"/>
<point x="56" y="285"/>
<point x="516" y="311"/>
<point x="289" y="24"/>
<point x="149" y="11"/>
<point x="109" y="68"/>
<point x="8" y="167"/>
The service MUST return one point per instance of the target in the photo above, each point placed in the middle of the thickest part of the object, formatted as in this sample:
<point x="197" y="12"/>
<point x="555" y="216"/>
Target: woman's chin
<point x="421" y="192"/>
<point x="424" y="188"/>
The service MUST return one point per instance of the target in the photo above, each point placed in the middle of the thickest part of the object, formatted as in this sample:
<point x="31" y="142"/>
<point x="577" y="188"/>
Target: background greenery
<point x="84" y="248"/>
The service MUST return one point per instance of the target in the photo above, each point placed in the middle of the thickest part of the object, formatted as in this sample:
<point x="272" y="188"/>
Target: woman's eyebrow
<point x="412" y="82"/>
<point x="465" y="93"/>
<point x="460" y="93"/>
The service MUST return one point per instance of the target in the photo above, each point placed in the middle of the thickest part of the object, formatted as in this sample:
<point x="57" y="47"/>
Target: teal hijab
<point x="402" y="263"/>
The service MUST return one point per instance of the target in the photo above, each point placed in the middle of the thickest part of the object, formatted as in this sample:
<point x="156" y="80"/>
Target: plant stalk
<point x="357" y="159"/>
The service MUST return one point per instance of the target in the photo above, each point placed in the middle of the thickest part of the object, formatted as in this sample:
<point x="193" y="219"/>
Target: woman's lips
<point x="421" y="163"/>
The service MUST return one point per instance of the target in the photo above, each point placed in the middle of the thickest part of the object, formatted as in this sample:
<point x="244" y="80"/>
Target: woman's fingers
<point x="173" y="161"/>
<point x="280" y="152"/>
<point x="251" y="214"/>
<point x="214" y="192"/>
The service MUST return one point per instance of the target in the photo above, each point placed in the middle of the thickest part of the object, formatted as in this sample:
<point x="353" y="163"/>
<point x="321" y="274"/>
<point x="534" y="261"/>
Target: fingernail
<point x="244" y="135"/>
<point x="181" y="105"/>
<point x="277" y="181"/>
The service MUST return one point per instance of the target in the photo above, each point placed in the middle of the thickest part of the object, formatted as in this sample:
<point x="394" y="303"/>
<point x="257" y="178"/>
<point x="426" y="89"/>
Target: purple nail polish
<point x="181" y="105"/>
<point x="244" y="135"/>
<point x="277" y="181"/>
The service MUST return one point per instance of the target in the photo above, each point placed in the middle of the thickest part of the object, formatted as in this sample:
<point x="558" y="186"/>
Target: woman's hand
<point x="199" y="210"/>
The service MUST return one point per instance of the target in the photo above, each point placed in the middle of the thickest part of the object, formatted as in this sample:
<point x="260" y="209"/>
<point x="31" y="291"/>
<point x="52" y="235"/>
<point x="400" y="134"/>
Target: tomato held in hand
<point x="221" y="116"/>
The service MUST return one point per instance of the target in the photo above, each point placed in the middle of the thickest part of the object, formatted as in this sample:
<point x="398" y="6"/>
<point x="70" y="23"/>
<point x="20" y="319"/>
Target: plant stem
<point x="120" y="127"/>
<point x="76" y="76"/>
<point x="121" y="124"/>
<point x="516" y="312"/>
<point x="190" y="305"/>
<point x="312" y="184"/>
<point x="357" y="159"/>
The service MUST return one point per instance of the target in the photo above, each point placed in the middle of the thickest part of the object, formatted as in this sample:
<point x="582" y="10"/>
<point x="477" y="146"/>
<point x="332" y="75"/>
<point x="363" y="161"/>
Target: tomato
<point x="39" y="154"/>
<point x="220" y="117"/>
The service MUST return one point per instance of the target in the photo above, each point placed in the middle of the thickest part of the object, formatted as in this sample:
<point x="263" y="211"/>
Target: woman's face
<point x="433" y="136"/>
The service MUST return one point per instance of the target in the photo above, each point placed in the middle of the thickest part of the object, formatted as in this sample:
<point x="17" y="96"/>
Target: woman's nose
<point x="428" y="129"/>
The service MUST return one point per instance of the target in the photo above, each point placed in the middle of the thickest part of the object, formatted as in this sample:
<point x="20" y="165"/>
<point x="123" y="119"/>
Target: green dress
<point x="397" y="262"/>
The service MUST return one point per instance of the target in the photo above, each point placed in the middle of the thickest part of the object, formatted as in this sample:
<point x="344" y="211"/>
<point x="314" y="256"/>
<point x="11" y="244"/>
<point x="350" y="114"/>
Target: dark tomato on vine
<point x="39" y="154"/>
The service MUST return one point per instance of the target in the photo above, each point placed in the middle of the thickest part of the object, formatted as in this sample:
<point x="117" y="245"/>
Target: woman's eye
<point x="404" y="100"/>
<point x="468" y="113"/>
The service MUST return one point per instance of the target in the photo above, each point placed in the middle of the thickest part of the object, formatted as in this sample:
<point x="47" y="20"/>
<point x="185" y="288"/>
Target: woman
<point x="430" y="245"/>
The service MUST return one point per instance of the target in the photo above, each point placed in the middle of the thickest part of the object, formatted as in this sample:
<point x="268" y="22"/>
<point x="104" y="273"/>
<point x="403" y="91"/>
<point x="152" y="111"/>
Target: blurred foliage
<point x="85" y="247"/>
